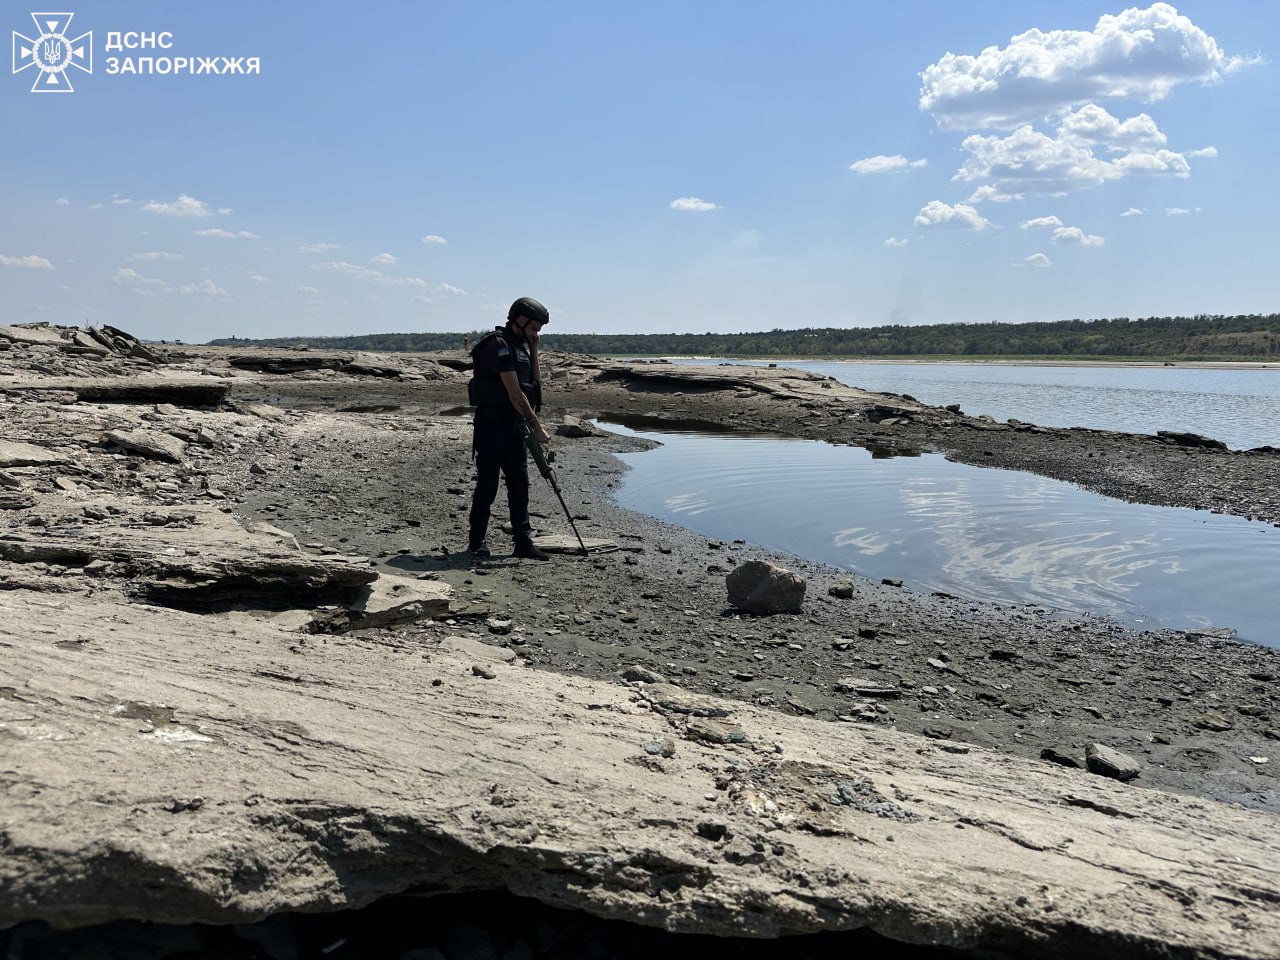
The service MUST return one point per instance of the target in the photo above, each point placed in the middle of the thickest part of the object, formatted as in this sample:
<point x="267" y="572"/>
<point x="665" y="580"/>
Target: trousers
<point x="498" y="445"/>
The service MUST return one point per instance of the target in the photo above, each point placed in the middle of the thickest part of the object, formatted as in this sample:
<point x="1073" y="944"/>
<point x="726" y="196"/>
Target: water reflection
<point x="984" y="534"/>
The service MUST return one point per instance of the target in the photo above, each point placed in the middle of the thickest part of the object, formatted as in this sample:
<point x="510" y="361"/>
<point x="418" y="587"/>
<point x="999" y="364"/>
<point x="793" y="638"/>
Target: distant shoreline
<point x="898" y="361"/>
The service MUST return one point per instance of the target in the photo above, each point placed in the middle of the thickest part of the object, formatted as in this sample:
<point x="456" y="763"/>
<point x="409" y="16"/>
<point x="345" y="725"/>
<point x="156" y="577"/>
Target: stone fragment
<point x="715" y="730"/>
<point x="760" y="587"/>
<point x="841" y="589"/>
<point x="638" y="674"/>
<point x="866" y="688"/>
<point x="1108" y="762"/>
<point x="149" y="444"/>
<point x="1210" y="720"/>
<point x="574" y="428"/>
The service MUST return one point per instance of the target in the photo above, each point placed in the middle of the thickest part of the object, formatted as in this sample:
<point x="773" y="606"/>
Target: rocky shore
<point x="248" y="668"/>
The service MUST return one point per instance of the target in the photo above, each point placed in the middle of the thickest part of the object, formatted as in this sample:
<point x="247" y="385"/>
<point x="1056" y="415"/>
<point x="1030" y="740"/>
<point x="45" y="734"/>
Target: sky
<point x="658" y="166"/>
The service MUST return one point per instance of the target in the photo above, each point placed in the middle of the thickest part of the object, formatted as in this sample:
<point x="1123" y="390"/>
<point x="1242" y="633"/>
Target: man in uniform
<point x="506" y="389"/>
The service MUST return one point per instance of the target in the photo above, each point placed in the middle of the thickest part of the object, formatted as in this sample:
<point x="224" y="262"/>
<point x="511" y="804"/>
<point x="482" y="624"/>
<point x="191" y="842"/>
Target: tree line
<point x="1201" y="337"/>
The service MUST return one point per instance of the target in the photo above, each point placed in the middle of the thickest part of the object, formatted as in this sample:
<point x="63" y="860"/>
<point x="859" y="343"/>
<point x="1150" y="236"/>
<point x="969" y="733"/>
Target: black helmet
<point x="530" y="309"/>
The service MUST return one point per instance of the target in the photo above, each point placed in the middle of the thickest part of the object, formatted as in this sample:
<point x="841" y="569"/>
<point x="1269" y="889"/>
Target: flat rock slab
<point x="175" y="767"/>
<point x="15" y="453"/>
<point x="179" y="555"/>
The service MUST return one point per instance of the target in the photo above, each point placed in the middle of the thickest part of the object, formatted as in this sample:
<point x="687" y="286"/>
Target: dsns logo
<point x="52" y="52"/>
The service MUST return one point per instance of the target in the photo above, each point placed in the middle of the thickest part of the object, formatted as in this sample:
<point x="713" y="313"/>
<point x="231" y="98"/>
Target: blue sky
<point x="644" y="166"/>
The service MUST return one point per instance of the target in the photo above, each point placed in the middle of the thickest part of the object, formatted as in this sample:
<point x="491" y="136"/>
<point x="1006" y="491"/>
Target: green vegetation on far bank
<point x="1253" y="337"/>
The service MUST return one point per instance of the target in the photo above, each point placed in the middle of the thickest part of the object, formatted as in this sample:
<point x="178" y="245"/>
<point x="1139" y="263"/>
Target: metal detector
<point x="543" y="458"/>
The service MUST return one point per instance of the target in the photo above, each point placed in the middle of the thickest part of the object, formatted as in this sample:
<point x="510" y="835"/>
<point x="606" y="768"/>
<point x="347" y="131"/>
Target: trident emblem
<point x="52" y="52"/>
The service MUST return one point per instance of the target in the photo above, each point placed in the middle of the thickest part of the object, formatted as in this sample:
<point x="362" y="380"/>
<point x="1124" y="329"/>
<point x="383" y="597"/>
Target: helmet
<point x="530" y="309"/>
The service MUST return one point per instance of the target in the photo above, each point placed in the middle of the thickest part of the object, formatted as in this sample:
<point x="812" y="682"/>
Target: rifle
<point x="544" y="459"/>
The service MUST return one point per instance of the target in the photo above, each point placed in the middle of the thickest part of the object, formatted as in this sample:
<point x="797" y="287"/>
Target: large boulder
<point x="760" y="587"/>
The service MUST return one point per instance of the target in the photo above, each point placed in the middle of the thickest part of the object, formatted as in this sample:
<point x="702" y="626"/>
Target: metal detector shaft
<point x="541" y="458"/>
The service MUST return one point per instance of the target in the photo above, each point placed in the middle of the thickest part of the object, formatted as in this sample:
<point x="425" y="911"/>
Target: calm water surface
<point x="1239" y="407"/>
<point x="976" y="533"/>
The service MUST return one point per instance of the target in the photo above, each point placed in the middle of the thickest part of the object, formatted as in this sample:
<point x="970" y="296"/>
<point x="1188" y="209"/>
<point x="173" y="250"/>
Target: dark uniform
<point x="497" y="441"/>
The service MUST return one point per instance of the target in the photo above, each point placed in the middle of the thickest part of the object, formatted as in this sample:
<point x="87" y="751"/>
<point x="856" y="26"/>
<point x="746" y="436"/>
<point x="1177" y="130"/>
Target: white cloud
<point x="205" y="287"/>
<point x="308" y="290"/>
<point x="1133" y="212"/>
<point x="935" y="213"/>
<point x="1092" y="124"/>
<point x="184" y="206"/>
<point x="361" y="272"/>
<point x="694" y="204"/>
<point x="895" y="242"/>
<point x="1177" y="211"/>
<point x="317" y="247"/>
<point x="1030" y="162"/>
<point x="450" y="289"/>
<point x="1160" y="162"/>
<point x="258" y="278"/>
<point x="63" y="202"/>
<point x="1038" y="260"/>
<point x="156" y="255"/>
<point x="1040" y="222"/>
<point x="128" y="277"/>
<point x="226" y="234"/>
<point x="125" y="201"/>
<point x="1033" y="162"/>
<point x="1136" y="55"/>
<point x="225" y="210"/>
<point x="390" y="259"/>
<point x="434" y="240"/>
<point x="26" y="263"/>
<point x="993" y="194"/>
<point x="95" y="206"/>
<point x="883" y="164"/>
<point x="1203" y="152"/>
<point x="1077" y="236"/>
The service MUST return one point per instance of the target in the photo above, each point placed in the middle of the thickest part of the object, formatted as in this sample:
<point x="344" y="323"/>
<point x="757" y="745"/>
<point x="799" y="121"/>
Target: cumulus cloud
<point x="227" y="234"/>
<point x="1133" y="212"/>
<point x="184" y="206"/>
<point x="317" y="247"/>
<point x="1092" y="124"/>
<point x="389" y="259"/>
<point x="883" y="164"/>
<point x="450" y="289"/>
<point x="125" y="201"/>
<point x="63" y="202"/>
<point x="205" y="287"/>
<point x="895" y="242"/>
<point x="434" y="240"/>
<point x="1177" y="211"/>
<point x="1035" y="222"/>
<point x="1077" y="236"/>
<point x="1135" y="55"/>
<point x="694" y="204"/>
<point x="26" y="263"/>
<point x="1203" y="152"/>
<point x="935" y="213"/>
<point x="1028" y="161"/>
<point x="1038" y="260"/>
<point x="153" y="255"/>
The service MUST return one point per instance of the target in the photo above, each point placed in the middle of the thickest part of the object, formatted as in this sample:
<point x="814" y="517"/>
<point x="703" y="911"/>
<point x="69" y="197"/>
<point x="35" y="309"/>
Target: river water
<point x="988" y="534"/>
<point x="1240" y="407"/>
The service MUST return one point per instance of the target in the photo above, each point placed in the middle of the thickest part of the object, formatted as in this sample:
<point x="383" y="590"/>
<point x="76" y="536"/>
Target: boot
<point x="528" y="550"/>
<point x="479" y="549"/>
